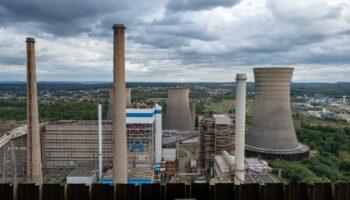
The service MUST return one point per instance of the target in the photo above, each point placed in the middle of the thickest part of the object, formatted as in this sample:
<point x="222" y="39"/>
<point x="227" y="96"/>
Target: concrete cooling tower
<point x="178" y="114"/>
<point x="271" y="134"/>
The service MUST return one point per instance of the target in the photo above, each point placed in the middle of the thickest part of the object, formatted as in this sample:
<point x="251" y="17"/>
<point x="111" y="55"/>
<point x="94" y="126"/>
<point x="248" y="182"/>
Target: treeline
<point x="17" y="110"/>
<point x="330" y="159"/>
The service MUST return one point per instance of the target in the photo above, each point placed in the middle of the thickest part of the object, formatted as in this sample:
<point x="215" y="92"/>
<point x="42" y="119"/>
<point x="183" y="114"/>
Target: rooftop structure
<point x="84" y="174"/>
<point x="272" y="133"/>
<point x="256" y="171"/>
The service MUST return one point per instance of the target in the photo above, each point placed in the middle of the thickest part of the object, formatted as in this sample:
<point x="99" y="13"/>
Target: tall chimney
<point x="240" y="127"/>
<point x="159" y="134"/>
<point x="100" y="153"/>
<point x="34" y="173"/>
<point x="120" y="162"/>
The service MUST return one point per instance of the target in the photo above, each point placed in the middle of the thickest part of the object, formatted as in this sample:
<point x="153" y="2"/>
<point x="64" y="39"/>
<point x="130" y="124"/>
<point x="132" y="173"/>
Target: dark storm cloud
<point x="184" y="39"/>
<point x="193" y="5"/>
<point x="66" y="17"/>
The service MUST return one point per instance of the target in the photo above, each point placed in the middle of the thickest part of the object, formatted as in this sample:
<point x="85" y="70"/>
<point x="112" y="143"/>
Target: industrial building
<point x="71" y="144"/>
<point x="216" y="135"/>
<point x="271" y="134"/>
<point x="256" y="171"/>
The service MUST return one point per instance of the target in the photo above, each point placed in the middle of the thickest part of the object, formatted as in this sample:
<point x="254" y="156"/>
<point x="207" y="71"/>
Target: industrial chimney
<point x="178" y="115"/>
<point x="120" y="162"/>
<point x="111" y="97"/>
<point x="240" y="128"/>
<point x="272" y="133"/>
<point x="34" y="172"/>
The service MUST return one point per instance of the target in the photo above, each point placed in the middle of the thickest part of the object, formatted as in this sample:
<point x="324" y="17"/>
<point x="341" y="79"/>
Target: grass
<point x="182" y="153"/>
<point x="190" y="147"/>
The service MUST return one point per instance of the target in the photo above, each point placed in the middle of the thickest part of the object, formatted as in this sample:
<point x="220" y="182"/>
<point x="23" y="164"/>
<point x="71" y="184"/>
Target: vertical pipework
<point x="193" y="113"/>
<point x="158" y="138"/>
<point x="34" y="173"/>
<point x="100" y="167"/>
<point x="128" y="96"/>
<point x="120" y="172"/>
<point x="240" y="127"/>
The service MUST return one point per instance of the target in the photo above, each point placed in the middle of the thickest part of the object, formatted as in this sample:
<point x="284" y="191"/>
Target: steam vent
<point x="178" y="114"/>
<point x="272" y="134"/>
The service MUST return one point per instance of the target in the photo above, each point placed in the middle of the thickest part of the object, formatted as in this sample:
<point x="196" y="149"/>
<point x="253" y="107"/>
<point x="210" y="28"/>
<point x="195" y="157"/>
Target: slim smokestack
<point x="120" y="162"/>
<point x="240" y="127"/>
<point x="100" y="167"/>
<point x="159" y="136"/>
<point x="34" y="173"/>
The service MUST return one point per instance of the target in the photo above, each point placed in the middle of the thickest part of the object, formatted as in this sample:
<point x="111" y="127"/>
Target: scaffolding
<point x="214" y="138"/>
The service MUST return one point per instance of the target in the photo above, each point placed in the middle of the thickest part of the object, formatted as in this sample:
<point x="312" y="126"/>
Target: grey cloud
<point x="193" y="5"/>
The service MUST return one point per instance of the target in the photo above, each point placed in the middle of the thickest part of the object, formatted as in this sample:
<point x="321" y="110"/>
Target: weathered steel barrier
<point x="321" y="191"/>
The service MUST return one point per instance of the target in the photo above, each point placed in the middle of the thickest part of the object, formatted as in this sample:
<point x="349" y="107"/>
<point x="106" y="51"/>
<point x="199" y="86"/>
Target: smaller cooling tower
<point x="271" y="134"/>
<point x="178" y="114"/>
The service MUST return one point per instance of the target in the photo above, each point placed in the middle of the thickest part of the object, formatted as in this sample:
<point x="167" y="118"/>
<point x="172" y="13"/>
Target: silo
<point x="178" y="114"/>
<point x="271" y="134"/>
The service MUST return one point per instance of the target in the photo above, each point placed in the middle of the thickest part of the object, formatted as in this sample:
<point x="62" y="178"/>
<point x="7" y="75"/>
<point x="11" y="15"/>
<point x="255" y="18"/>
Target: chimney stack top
<point x="115" y="26"/>
<point x="30" y="39"/>
<point x="241" y="77"/>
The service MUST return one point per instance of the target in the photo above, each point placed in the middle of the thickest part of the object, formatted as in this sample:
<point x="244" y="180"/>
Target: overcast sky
<point x="178" y="40"/>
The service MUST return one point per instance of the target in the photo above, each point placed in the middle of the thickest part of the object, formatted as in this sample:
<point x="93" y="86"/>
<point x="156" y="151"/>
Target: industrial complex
<point x="130" y="145"/>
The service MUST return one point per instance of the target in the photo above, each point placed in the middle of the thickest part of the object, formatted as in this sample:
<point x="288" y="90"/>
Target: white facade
<point x="88" y="180"/>
<point x="221" y="119"/>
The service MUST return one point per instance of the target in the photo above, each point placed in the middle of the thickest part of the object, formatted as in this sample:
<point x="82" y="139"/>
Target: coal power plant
<point x="272" y="134"/>
<point x="178" y="115"/>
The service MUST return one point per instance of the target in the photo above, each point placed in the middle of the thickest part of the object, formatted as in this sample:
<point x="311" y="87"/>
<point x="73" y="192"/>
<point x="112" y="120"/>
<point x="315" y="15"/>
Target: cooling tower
<point x="178" y="114"/>
<point x="271" y="134"/>
<point x="110" y="107"/>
